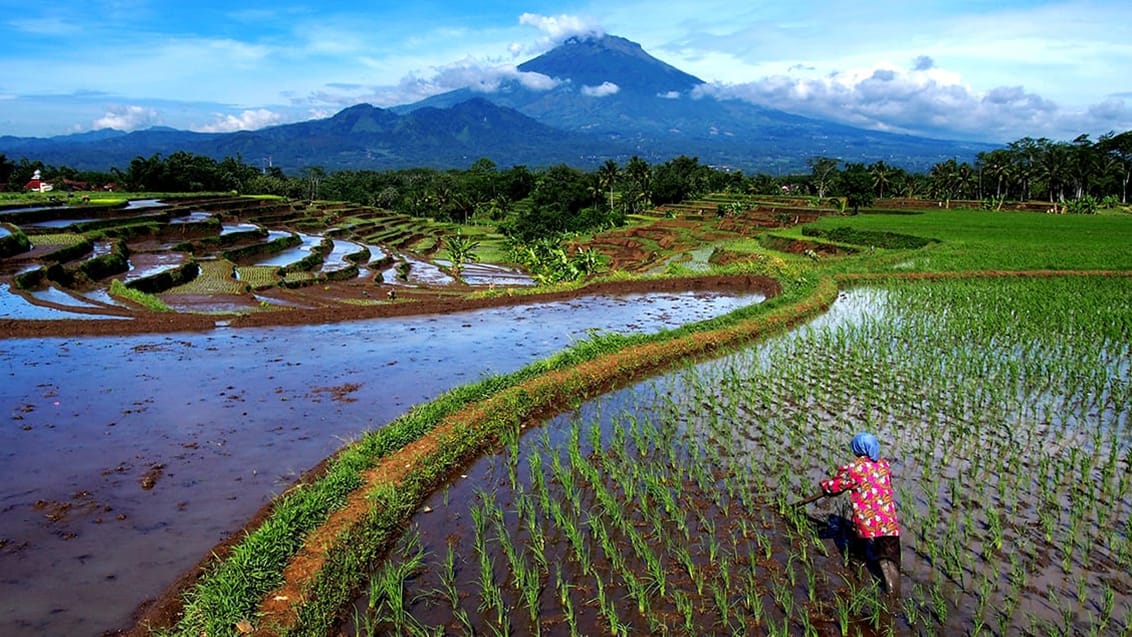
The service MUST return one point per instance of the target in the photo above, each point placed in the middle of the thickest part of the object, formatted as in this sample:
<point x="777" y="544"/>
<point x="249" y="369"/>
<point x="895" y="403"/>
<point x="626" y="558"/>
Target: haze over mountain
<point x="581" y="103"/>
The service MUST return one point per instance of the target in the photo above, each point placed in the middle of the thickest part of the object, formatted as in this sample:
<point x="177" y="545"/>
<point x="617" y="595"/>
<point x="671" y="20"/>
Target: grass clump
<point x="148" y="301"/>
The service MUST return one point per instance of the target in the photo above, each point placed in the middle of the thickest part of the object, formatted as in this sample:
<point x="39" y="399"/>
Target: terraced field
<point x="214" y="255"/>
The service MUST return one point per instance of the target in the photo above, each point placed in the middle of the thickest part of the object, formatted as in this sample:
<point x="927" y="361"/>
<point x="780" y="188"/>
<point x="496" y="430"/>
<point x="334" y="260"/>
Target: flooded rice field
<point x="667" y="507"/>
<point x="125" y="459"/>
<point x="16" y="306"/>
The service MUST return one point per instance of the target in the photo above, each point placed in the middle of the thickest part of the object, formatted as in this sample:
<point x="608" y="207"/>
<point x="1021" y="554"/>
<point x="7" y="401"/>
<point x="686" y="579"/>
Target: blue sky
<point x="993" y="71"/>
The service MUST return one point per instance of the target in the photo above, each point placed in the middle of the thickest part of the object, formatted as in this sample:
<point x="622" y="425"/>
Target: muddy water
<point x="124" y="459"/>
<point x="786" y="436"/>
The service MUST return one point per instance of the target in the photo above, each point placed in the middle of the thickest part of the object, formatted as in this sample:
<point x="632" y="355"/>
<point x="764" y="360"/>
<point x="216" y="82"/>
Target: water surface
<point x="123" y="460"/>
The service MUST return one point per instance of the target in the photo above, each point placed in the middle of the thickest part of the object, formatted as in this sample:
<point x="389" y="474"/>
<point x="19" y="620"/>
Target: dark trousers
<point x="886" y="547"/>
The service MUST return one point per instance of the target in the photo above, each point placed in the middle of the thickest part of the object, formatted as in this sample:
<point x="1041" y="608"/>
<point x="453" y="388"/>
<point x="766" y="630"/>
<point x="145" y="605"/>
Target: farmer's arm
<point x="843" y="480"/>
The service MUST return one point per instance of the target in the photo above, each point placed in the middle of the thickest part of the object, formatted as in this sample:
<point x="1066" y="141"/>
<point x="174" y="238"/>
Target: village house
<point x="38" y="184"/>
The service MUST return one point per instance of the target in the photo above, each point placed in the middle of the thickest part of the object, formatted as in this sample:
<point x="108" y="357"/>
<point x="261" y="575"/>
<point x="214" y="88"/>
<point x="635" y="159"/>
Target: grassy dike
<point x="296" y="571"/>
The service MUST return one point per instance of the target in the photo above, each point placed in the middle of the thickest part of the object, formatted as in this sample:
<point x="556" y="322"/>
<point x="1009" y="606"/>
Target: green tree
<point x="6" y="170"/>
<point x="234" y="174"/>
<point x="607" y="179"/>
<point x="1118" y="148"/>
<point x="945" y="180"/>
<point x="461" y="250"/>
<point x="881" y="175"/>
<point x="823" y="172"/>
<point x="997" y="166"/>
<point x="679" y="179"/>
<point x="1053" y="169"/>
<point x="855" y="183"/>
<point x="313" y="176"/>
<point x="559" y="195"/>
<point x="638" y="192"/>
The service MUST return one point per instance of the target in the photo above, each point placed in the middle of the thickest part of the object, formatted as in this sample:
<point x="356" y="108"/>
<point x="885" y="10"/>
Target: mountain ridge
<point x="596" y="98"/>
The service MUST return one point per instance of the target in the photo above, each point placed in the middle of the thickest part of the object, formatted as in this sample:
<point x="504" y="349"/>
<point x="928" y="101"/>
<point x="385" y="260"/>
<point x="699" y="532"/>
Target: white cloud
<point x="476" y="76"/>
<point x="469" y="73"/>
<point x="602" y="90"/>
<point x="922" y="100"/>
<point x="127" y="118"/>
<point x="670" y="95"/>
<point x="560" y="27"/>
<point x="247" y="120"/>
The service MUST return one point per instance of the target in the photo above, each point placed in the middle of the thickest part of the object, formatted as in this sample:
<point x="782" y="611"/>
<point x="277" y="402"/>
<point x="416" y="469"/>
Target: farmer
<point x="868" y="479"/>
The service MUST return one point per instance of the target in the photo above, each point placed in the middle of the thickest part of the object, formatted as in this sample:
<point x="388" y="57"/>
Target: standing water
<point x="125" y="459"/>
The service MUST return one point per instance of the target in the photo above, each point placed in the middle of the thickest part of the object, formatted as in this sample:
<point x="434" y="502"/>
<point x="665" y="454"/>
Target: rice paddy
<point x="215" y="277"/>
<point x="666" y="508"/>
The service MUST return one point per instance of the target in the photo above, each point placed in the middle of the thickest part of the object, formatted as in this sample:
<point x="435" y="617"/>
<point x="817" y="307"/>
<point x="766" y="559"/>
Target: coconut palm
<point x="607" y="179"/>
<point x="881" y="174"/>
<point x="945" y="180"/>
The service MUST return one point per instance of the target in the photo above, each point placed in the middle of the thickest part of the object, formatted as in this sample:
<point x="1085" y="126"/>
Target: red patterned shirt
<point x="870" y="489"/>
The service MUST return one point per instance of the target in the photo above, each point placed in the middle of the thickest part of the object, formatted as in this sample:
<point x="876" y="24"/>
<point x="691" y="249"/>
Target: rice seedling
<point x="218" y="276"/>
<point x="667" y="505"/>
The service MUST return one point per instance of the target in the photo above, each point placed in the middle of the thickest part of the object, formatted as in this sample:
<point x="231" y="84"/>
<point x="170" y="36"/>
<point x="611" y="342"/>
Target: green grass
<point x="975" y="240"/>
<point x="148" y="301"/>
<point x="492" y="246"/>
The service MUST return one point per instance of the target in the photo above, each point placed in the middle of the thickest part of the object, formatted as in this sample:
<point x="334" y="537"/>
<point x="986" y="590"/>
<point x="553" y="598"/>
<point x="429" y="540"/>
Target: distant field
<point x="980" y="240"/>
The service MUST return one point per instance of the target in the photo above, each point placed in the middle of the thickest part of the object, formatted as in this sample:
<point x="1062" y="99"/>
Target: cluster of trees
<point x="1024" y="170"/>
<point x="528" y="204"/>
<point x="179" y="172"/>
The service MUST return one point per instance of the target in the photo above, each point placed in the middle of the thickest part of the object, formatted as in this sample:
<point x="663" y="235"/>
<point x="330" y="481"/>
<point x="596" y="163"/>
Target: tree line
<point x="530" y="203"/>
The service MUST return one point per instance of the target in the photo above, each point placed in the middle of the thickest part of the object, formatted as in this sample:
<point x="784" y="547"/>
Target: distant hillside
<point x="609" y="100"/>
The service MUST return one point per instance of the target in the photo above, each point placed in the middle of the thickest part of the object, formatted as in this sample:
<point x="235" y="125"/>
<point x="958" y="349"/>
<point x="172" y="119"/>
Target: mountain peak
<point x="595" y="60"/>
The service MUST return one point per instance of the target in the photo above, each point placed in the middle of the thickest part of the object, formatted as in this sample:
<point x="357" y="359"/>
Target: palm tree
<point x="461" y="250"/>
<point x="965" y="180"/>
<point x="1084" y="163"/>
<point x="944" y="180"/>
<point x="607" y="178"/>
<point x="1028" y="153"/>
<point x="1118" y="148"/>
<point x="997" y="165"/>
<point x="639" y="175"/>
<point x="1053" y="167"/>
<point x="881" y="173"/>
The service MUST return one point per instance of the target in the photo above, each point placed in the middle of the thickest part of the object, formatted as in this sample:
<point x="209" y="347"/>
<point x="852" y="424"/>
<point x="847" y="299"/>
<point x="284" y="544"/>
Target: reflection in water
<point x="219" y="422"/>
<point x="52" y="294"/>
<point x="16" y="306"/>
<point x="291" y="255"/>
<point x="420" y="273"/>
<point x="239" y="227"/>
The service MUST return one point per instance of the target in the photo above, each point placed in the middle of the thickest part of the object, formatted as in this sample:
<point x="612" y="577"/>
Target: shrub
<point x="1086" y="205"/>
<point x="889" y="240"/>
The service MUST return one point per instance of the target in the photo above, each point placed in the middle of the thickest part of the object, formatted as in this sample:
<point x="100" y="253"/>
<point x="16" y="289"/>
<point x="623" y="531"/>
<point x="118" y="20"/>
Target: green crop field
<point x="975" y="240"/>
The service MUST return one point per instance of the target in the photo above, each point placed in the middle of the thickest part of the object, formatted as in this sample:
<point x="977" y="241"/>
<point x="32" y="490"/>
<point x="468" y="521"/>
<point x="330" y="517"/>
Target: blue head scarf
<point x="865" y="444"/>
